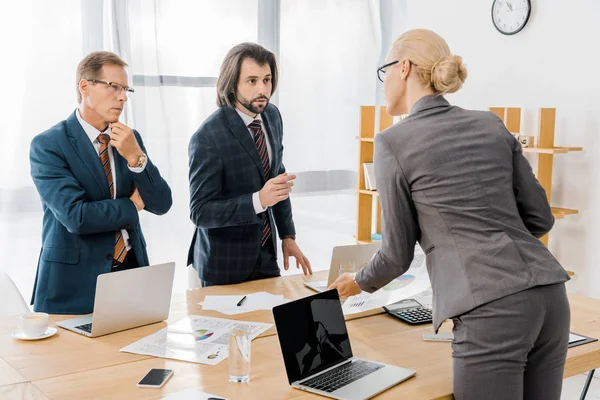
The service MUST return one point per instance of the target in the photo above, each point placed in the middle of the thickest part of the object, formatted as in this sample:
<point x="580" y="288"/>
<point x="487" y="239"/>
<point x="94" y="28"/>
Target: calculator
<point x="409" y="311"/>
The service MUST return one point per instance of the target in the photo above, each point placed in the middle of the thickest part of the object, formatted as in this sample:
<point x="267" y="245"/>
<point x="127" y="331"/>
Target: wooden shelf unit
<point x="544" y="148"/>
<point x="560" y="213"/>
<point x="366" y="198"/>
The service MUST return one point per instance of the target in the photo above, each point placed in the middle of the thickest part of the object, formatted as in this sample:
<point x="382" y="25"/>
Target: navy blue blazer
<point x="225" y="170"/>
<point x="80" y="218"/>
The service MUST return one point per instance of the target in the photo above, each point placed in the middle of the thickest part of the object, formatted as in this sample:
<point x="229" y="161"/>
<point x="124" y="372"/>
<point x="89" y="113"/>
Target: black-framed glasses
<point x="381" y="70"/>
<point x="116" y="88"/>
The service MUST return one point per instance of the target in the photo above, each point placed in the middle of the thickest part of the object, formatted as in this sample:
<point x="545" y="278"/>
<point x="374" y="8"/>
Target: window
<point x="191" y="37"/>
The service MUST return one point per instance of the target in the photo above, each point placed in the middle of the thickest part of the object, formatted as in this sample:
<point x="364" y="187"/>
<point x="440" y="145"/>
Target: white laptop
<point x="360" y="254"/>
<point x="127" y="299"/>
<point x="317" y="354"/>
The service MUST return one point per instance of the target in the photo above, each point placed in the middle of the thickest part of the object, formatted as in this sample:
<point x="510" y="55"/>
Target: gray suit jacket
<point x="456" y="181"/>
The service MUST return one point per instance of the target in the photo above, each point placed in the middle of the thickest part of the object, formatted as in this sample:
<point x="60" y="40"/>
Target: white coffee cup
<point x="34" y="324"/>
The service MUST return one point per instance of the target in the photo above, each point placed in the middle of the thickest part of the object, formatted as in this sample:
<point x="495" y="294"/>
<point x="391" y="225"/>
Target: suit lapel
<point x="269" y="130"/>
<point x="240" y="131"/>
<point x="82" y="145"/>
<point x="121" y="172"/>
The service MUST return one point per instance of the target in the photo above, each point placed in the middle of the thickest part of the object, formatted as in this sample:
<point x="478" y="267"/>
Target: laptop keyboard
<point x="86" y="327"/>
<point x="342" y="376"/>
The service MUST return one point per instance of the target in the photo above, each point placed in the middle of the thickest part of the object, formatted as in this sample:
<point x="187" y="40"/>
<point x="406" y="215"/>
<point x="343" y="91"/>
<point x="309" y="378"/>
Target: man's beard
<point x="250" y="106"/>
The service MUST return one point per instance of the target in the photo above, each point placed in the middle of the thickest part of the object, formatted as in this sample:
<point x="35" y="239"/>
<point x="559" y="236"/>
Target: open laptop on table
<point x="127" y="299"/>
<point x="360" y="254"/>
<point x="317" y="354"/>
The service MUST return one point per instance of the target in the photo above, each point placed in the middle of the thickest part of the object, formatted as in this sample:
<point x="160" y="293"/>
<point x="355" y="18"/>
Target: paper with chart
<point x="414" y="282"/>
<point x="197" y="339"/>
<point x="252" y="302"/>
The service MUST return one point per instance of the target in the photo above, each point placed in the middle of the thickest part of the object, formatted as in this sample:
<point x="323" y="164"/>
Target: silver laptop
<point x="317" y="354"/>
<point x="360" y="254"/>
<point x="127" y="299"/>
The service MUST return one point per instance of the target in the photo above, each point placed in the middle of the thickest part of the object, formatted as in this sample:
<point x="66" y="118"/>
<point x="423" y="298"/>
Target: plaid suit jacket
<point x="225" y="170"/>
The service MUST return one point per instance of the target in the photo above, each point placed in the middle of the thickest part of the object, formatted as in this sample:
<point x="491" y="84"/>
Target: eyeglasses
<point x="115" y="88"/>
<point x="381" y="70"/>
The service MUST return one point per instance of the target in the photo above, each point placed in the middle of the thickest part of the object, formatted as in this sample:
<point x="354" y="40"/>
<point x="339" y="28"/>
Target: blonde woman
<point x="456" y="181"/>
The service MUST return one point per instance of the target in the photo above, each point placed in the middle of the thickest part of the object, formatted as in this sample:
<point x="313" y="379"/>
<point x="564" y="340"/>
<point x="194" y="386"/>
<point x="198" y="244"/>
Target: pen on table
<point x="241" y="301"/>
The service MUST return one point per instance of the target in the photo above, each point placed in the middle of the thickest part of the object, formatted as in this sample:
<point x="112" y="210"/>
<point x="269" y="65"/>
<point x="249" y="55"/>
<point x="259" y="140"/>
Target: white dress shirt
<point x="258" y="208"/>
<point x="92" y="134"/>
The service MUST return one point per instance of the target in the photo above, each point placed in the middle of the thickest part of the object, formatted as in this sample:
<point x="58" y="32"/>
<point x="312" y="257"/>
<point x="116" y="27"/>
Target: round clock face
<point x="510" y="16"/>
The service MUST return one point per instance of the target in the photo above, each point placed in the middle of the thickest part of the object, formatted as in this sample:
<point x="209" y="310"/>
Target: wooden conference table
<point x="71" y="366"/>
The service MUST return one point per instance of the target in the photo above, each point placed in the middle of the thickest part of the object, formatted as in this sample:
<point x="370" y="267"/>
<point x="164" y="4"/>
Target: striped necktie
<point x="120" y="249"/>
<point x="261" y="145"/>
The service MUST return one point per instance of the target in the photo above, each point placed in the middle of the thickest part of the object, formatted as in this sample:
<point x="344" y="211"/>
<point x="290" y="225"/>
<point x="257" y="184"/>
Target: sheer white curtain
<point x="41" y="45"/>
<point x="175" y="59"/>
<point x="328" y="51"/>
<point x="329" y="54"/>
<point x="175" y="49"/>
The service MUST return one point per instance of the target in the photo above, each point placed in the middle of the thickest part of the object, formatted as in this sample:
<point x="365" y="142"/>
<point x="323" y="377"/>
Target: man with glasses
<point x="94" y="177"/>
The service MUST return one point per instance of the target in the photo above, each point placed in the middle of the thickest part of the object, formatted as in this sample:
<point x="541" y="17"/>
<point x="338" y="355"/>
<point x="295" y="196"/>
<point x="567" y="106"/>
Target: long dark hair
<point x="232" y="65"/>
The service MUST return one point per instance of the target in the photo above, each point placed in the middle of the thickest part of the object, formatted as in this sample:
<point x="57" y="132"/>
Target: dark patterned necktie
<point x="261" y="145"/>
<point x="120" y="249"/>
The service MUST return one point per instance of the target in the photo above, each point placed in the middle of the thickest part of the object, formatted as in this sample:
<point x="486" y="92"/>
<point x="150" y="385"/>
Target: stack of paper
<point x="254" y="301"/>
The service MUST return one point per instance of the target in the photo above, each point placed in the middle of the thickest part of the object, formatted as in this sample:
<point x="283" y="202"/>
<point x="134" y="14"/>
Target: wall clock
<point x="510" y="16"/>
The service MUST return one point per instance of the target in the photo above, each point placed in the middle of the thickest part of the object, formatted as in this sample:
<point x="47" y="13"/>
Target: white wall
<point x="553" y="62"/>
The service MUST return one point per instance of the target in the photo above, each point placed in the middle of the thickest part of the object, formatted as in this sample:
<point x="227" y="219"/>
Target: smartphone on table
<point x="155" y="378"/>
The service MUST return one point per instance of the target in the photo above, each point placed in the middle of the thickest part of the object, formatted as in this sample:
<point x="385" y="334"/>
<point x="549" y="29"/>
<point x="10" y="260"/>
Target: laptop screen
<point x="312" y="334"/>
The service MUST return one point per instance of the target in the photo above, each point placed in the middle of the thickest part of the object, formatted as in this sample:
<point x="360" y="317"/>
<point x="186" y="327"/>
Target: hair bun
<point x="448" y="74"/>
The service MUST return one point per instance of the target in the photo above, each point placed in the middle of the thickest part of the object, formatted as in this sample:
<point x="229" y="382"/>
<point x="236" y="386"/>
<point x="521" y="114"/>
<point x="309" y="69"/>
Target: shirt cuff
<point x="139" y="170"/>
<point x="258" y="208"/>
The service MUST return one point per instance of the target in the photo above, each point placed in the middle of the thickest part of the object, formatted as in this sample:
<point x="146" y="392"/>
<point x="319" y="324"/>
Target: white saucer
<point x="51" y="331"/>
